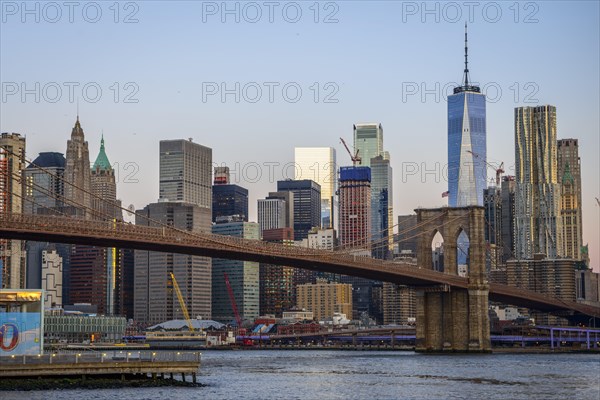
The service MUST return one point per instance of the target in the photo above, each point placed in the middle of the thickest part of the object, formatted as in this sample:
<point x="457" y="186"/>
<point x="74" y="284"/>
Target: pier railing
<point x="115" y="356"/>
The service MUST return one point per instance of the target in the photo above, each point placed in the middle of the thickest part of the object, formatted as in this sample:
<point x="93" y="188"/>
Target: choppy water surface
<point x="370" y="375"/>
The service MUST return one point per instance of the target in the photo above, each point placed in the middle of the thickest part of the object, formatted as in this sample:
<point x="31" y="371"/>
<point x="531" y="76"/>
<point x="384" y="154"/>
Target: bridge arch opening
<point x="462" y="253"/>
<point x="437" y="252"/>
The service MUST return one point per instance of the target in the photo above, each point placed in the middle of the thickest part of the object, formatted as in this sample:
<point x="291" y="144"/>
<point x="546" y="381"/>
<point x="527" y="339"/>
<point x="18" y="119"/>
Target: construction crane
<point x="499" y="170"/>
<point x="355" y="158"/>
<point x="182" y="303"/>
<point x="238" y="319"/>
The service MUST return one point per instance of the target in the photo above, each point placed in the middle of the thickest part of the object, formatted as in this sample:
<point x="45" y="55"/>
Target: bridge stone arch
<point x="457" y="319"/>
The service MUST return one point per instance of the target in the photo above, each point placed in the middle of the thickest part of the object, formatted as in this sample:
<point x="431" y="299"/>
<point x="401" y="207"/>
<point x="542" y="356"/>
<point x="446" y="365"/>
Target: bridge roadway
<point x="164" y="239"/>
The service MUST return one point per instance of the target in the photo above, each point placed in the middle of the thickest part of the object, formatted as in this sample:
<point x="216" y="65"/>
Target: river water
<point x="324" y="374"/>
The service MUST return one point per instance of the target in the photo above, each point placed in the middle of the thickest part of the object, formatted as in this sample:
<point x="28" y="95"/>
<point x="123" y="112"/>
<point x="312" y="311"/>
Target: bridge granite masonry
<point x="452" y="311"/>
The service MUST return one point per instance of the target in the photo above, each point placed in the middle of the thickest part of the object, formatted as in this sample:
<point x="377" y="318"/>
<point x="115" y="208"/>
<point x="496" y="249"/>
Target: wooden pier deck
<point x="115" y="363"/>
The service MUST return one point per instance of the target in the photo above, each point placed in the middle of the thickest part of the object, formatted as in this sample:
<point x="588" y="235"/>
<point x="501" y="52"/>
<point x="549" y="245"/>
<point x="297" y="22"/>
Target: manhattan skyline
<point x="374" y="72"/>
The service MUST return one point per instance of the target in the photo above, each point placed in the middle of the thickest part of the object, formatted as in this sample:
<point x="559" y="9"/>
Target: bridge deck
<point x="123" y="235"/>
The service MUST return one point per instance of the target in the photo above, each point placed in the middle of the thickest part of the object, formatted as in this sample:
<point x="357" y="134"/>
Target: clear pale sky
<point x="372" y="60"/>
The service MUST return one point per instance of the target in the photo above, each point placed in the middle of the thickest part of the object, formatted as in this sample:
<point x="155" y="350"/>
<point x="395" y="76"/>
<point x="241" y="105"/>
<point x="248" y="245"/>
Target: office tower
<point x="52" y="276"/>
<point x="229" y="200"/>
<point x="95" y="272"/>
<point x="243" y="277"/>
<point x="467" y="174"/>
<point x="492" y="203"/>
<point x="368" y="140"/>
<point x="276" y="211"/>
<point x="277" y="292"/>
<point x="44" y="191"/>
<point x="104" y="188"/>
<point x="355" y="208"/>
<point x="407" y="238"/>
<point x="44" y="186"/>
<point x="78" y="176"/>
<point x="221" y="176"/>
<point x="155" y="299"/>
<point x="185" y="172"/>
<point x="382" y="208"/>
<point x="538" y="225"/>
<point x="569" y="176"/>
<point x="324" y="299"/>
<point x="12" y="252"/>
<point x="307" y="205"/>
<point x="319" y="165"/>
<point x="124" y="289"/>
<point x="508" y="218"/>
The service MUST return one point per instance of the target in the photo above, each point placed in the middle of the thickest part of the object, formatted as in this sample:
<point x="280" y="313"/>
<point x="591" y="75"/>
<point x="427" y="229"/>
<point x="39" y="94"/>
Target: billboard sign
<point x="21" y="322"/>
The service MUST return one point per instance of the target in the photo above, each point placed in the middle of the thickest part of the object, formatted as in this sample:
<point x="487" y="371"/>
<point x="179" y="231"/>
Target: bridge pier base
<point x="453" y="320"/>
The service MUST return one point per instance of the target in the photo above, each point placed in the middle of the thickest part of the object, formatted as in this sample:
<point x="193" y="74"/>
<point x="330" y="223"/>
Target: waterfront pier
<point x="85" y="365"/>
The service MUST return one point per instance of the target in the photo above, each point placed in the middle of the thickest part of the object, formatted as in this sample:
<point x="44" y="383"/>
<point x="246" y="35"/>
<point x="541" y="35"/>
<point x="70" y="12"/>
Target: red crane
<point x="499" y="170"/>
<point x="355" y="158"/>
<point x="238" y="319"/>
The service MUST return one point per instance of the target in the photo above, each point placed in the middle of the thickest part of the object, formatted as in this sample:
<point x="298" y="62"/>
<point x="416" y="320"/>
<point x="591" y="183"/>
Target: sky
<point x="252" y="80"/>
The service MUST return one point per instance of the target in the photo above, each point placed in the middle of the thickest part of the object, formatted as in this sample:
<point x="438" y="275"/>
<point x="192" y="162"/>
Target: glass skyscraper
<point x="318" y="164"/>
<point x="368" y="140"/>
<point x="467" y="174"/>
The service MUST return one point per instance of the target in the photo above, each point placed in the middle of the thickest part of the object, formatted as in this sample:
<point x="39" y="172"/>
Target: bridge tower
<point x="454" y="320"/>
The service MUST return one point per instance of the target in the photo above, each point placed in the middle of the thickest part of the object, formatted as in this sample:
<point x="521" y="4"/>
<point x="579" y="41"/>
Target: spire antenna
<point x="466" y="72"/>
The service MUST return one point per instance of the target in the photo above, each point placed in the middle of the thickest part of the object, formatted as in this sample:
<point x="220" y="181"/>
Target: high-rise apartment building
<point x="12" y="252"/>
<point x="355" y="208"/>
<point x="78" y="175"/>
<point x="569" y="176"/>
<point x="319" y="165"/>
<point x="185" y="172"/>
<point x="307" y="205"/>
<point x="467" y="154"/>
<point x="324" y="299"/>
<point x="155" y="299"/>
<point x="243" y="277"/>
<point x="538" y="224"/>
